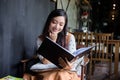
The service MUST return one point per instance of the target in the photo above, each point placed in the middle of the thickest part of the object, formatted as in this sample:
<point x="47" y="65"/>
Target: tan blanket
<point x="57" y="74"/>
<point x="60" y="74"/>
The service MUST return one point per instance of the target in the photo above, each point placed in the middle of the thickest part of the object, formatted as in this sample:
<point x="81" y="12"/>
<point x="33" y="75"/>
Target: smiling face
<point x="57" y="24"/>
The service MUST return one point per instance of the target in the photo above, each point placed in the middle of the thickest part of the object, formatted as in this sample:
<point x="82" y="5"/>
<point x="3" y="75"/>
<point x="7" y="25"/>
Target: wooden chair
<point x="82" y="40"/>
<point x="25" y="62"/>
<point x="34" y="75"/>
<point x="102" y="53"/>
<point x="115" y="45"/>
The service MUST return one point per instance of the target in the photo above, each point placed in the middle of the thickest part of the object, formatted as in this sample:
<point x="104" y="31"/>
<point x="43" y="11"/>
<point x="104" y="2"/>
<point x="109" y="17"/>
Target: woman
<point x="56" y="29"/>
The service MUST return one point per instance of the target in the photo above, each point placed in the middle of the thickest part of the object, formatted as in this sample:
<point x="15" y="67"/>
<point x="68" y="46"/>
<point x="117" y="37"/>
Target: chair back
<point x="83" y="39"/>
<point x="101" y="55"/>
<point x="101" y="45"/>
<point x="80" y="37"/>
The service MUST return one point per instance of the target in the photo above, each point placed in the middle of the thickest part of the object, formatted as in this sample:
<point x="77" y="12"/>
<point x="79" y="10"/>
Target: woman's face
<point x="57" y="24"/>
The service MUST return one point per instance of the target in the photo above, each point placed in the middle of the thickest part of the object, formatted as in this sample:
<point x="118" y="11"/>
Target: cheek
<point x="61" y="28"/>
<point x="51" y="26"/>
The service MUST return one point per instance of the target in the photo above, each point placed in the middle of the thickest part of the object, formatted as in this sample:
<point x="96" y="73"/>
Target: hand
<point x="53" y="36"/>
<point x="45" y="61"/>
<point x="86" y="60"/>
<point x="65" y="63"/>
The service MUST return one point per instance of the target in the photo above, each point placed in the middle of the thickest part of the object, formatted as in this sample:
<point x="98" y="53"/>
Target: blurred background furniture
<point x="101" y="55"/>
<point x="105" y="53"/>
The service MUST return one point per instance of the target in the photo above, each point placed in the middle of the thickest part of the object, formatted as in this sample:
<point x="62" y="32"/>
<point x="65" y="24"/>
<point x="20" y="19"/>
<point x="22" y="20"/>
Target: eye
<point x="54" y="21"/>
<point x="62" y="24"/>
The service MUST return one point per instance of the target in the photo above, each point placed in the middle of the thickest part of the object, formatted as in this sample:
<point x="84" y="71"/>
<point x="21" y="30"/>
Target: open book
<point x="53" y="51"/>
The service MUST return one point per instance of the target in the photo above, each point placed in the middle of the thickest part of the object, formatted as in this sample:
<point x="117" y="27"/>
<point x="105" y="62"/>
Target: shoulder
<point x="70" y="38"/>
<point x="40" y="37"/>
<point x="69" y="35"/>
<point x="39" y="40"/>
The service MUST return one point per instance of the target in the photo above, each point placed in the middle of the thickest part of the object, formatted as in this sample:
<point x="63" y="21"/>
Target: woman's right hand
<point x="53" y="36"/>
<point x="45" y="61"/>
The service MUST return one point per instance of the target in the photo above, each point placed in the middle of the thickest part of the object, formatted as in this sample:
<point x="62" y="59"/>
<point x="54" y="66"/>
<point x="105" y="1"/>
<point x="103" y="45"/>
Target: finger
<point x="66" y="60"/>
<point x="53" y="36"/>
<point x="62" y="62"/>
<point x="74" y="59"/>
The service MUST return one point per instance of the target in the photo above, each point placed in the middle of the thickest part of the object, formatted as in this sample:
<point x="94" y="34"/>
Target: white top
<point x="71" y="47"/>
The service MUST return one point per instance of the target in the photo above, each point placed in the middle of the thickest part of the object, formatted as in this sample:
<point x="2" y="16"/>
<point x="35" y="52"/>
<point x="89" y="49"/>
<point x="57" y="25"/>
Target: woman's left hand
<point x="65" y="63"/>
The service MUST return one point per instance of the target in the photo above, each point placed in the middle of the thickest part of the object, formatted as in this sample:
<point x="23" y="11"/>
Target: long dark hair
<point x="62" y="34"/>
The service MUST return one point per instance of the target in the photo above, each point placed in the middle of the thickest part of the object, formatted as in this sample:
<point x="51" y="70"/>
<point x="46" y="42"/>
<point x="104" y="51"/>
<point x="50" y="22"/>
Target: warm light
<point x="113" y="15"/>
<point x="113" y="18"/>
<point x="114" y="5"/>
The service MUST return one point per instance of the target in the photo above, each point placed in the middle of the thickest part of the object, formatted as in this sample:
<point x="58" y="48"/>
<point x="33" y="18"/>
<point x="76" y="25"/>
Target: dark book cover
<point x="53" y="51"/>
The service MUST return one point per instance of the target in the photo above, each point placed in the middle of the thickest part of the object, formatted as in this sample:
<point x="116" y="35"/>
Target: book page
<point x="82" y="50"/>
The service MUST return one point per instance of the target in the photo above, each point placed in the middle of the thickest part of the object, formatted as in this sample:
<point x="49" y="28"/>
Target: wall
<point x="72" y="11"/>
<point x="21" y="21"/>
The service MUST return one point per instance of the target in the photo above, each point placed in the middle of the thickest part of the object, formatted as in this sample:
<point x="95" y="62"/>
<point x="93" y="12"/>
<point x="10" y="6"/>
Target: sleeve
<point x="79" y="61"/>
<point x="38" y="42"/>
<point x="38" y="45"/>
<point x="72" y="44"/>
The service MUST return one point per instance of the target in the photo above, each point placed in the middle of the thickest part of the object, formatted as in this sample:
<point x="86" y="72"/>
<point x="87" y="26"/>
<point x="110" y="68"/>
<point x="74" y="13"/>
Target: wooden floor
<point x="101" y="73"/>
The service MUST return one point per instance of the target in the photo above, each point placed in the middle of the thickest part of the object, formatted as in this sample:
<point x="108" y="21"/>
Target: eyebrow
<point x="57" y="21"/>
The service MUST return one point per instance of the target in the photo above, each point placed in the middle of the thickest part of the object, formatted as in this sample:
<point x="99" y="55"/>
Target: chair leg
<point x="82" y="72"/>
<point x="33" y="78"/>
<point x="26" y="76"/>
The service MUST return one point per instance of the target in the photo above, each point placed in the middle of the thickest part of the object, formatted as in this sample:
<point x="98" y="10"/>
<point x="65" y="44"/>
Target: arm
<point x="71" y="46"/>
<point x="80" y="63"/>
<point x="70" y="42"/>
<point x="42" y="59"/>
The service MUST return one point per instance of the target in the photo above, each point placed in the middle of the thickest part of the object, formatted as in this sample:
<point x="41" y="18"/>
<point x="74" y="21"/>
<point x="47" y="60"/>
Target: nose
<point x="57" y="25"/>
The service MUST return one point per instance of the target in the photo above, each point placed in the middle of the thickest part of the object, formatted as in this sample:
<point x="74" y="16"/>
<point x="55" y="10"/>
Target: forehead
<point x="59" y="19"/>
